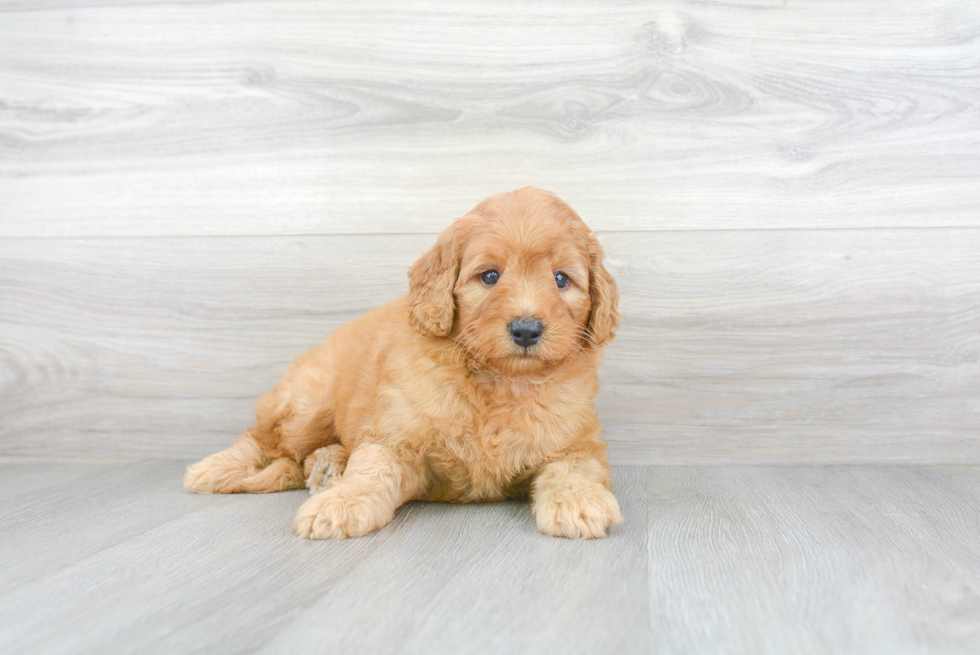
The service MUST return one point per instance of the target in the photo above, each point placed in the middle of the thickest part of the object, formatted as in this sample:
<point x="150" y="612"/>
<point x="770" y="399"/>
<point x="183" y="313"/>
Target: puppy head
<point x="517" y="283"/>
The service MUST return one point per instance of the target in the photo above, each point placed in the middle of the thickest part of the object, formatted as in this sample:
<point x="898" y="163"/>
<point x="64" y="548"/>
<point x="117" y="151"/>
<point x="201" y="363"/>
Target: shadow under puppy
<point x="477" y="386"/>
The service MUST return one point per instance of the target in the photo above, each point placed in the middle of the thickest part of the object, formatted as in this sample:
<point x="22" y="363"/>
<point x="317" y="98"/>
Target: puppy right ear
<point x="432" y="307"/>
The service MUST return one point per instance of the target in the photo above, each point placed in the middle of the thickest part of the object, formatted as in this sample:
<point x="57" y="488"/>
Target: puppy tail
<point x="243" y="468"/>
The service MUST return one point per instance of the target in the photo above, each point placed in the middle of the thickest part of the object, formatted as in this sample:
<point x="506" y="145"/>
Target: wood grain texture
<point x="726" y="560"/>
<point x="192" y="193"/>
<point x="785" y="346"/>
<point x="91" y="508"/>
<point x="814" y="560"/>
<point x="165" y="118"/>
<point x="533" y="595"/>
<point x="206" y="574"/>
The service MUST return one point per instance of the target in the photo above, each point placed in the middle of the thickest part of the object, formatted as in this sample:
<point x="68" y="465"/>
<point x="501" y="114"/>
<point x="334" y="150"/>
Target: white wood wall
<point x="191" y="193"/>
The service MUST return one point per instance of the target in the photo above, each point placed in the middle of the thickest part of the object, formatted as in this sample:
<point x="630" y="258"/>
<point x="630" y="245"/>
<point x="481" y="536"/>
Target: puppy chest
<point x="483" y="441"/>
<point x="473" y="467"/>
<point x="491" y="460"/>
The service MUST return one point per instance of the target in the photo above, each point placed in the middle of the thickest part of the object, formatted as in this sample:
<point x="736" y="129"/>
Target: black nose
<point x="526" y="331"/>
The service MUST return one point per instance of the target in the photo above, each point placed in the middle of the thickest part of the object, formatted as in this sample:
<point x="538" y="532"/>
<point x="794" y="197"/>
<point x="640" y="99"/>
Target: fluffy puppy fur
<point x="432" y="397"/>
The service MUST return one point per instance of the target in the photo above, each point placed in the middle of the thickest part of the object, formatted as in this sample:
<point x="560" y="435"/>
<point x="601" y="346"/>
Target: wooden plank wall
<point x="191" y="193"/>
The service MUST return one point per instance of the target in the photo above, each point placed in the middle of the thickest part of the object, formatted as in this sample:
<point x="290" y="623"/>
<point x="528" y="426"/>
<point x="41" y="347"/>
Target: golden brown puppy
<point x="477" y="386"/>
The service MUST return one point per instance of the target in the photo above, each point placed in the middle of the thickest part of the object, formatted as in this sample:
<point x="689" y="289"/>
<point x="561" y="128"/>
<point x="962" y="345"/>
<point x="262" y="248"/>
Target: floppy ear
<point x="431" y="279"/>
<point x="604" y="319"/>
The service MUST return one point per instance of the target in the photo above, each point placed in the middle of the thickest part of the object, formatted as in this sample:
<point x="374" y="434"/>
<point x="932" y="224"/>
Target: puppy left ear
<point x="432" y="307"/>
<point x="604" y="319"/>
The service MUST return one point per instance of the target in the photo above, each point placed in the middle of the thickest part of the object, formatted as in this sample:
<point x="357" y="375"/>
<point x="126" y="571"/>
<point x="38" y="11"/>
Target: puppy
<point x="477" y="386"/>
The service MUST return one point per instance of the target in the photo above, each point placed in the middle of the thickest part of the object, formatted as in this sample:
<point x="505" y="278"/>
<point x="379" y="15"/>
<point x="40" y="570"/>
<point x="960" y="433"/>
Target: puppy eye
<point x="490" y="278"/>
<point x="561" y="279"/>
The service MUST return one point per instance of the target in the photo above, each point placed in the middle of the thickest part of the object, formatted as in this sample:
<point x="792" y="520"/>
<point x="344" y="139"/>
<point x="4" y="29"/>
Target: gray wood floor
<point x="110" y="556"/>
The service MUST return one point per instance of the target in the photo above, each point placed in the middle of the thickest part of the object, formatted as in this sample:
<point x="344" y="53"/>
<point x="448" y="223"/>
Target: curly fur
<point x="428" y="397"/>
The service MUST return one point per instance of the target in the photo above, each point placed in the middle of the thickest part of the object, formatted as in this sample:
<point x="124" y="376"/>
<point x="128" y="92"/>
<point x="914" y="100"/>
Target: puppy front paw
<point x="580" y="512"/>
<point x="330" y="515"/>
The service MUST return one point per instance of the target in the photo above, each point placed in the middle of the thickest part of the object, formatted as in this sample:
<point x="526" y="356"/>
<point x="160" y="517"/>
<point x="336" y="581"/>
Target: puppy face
<point x="517" y="284"/>
<point x="522" y="294"/>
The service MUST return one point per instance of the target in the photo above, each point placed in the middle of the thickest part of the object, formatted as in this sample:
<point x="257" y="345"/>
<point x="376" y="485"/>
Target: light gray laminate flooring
<point x="107" y="556"/>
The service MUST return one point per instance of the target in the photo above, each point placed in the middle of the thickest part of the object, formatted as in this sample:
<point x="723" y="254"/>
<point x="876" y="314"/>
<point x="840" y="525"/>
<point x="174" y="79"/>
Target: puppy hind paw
<point x="222" y="472"/>
<point x="324" y="466"/>
<point x="209" y="477"/>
